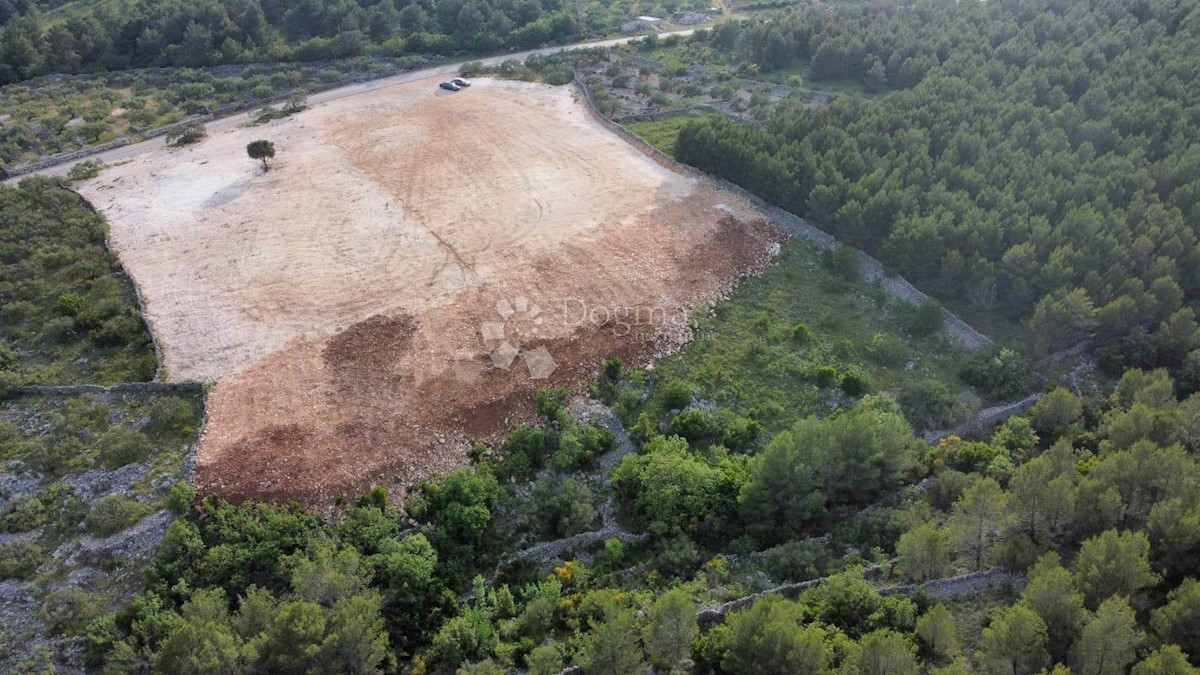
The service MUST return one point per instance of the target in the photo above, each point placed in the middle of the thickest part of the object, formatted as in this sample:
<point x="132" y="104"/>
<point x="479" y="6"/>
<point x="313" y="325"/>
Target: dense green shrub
<point x="181" y="498"/>
<point x="562" y="507"/>
<point x="921" y="319"/>
<point x="22" y="514"/>
<point x="580" y="445"/>
<point x="67" y="611"/>
<point x="694" y="424"/>
<point x="929" y="404"/>
<point x="843" y="262"/>
<point x="886" y="350"/>
<point x="802" y="335"/>
<point x="1000" y="373"/>
<point x="54" y="455"/>
<point x="701" y="427"/>
<point x="20" y="559"/>
<point x="186" y="135"/>
<point x="855" y="382"/>
<point x="797" y="560"/>
<point x="120" y="446"/>
<point x="674" y="491"/>
<point x="112" y="514"/>
<point x="84" y="170"/>
<point x="675" y="394"/>
<point x="172" y="415"/>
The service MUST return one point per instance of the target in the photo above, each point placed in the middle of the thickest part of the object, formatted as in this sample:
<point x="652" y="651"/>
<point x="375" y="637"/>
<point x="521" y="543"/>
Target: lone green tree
<point x="262" y="151"/>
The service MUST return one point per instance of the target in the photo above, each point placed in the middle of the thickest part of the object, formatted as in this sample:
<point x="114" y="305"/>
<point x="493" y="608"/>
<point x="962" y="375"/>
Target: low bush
<point x="855" y="382"/>
<point x="562" y="507"/>
<point x="843" y="262"/>
<point x="181" y="497"/>
<point x="121" y="446"/>
<point x="919" y="320"/>
<point x="172" y="415"/>
<point x="694" y="424"/>
<point x="999" y="373"/>
<point x="67" y="611"/>
<point x="799" y="560"/>
<point x="675" y="394"/>
<point x="886" y="350"/>
<point x="85" y="170"/>
<point x="53" y="456"/>
<point x="929" y="404"/>
<point x="802" y="335"/>
<point x="20" y="559"/>
<point x="112" y="514"/>
<point x="22" y="514"/>
<point x="471" y="68"/>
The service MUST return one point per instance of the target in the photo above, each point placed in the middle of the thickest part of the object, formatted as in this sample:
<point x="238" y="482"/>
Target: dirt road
<point x="436" y="72"/>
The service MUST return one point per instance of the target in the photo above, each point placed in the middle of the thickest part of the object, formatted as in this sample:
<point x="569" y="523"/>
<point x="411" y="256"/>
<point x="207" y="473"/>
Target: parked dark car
<point x="449" y="86"/>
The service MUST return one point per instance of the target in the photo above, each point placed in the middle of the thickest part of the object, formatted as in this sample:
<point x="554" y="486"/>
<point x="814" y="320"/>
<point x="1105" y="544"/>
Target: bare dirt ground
<point x="413" y="267"/>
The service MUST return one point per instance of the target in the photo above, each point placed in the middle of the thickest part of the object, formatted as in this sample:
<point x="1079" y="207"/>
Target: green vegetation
<point x="80" y="469"/>
<point x="1033" y="162"/>
<point x="93" y="36"/>
<point x="268" y="587"/>
<point x="1097" y="514"/>
<point x="186" y="135"/>
<point x="84" y="170"/>
<point x="554" y="69"/>
<point x="58" y="114"/>
<point x="75" y="434"/>
<point x="70" y="314"/>
<point x="112" y="514"/>
<point x="262" y="151"/>
<point x="805" y="338"/>
<point x="1058" y="194"/>
<point x="661" y="132"/>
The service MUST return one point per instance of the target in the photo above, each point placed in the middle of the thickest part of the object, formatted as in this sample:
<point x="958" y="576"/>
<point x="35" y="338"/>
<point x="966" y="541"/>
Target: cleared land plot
<point x="404" y="276"/>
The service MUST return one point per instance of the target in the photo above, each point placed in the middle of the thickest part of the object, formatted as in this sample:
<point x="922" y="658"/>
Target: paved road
<point x="434" y="73"/>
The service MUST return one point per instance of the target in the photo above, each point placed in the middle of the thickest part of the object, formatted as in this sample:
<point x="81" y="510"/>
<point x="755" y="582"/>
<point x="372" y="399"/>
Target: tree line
<point x="107" y="36"/>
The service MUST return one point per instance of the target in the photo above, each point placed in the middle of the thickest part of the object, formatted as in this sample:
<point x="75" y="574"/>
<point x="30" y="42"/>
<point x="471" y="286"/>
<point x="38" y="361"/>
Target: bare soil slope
<point x="413" y="266"/>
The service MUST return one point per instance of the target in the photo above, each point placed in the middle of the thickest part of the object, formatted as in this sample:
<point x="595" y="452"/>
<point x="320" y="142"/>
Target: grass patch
<point x="801" y="339"/>
<point x="1005" y="330"/>
<point x="661" y="132"/>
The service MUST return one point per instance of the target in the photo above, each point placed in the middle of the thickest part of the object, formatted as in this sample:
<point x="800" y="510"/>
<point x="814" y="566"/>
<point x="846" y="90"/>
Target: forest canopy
<point x="39" y="36"/>
<point x="1041" y="160"/>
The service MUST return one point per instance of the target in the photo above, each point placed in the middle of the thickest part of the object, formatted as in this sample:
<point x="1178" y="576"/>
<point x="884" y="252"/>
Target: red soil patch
<point x="423" y="391"/>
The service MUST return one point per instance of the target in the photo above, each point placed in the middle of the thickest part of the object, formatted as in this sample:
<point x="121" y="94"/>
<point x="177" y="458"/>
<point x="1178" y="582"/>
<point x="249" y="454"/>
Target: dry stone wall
<point x="122" y="388"/>
<point x="994" y="579"/>
<point x="18" y="171"/>
<point x="985" y="419"/>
